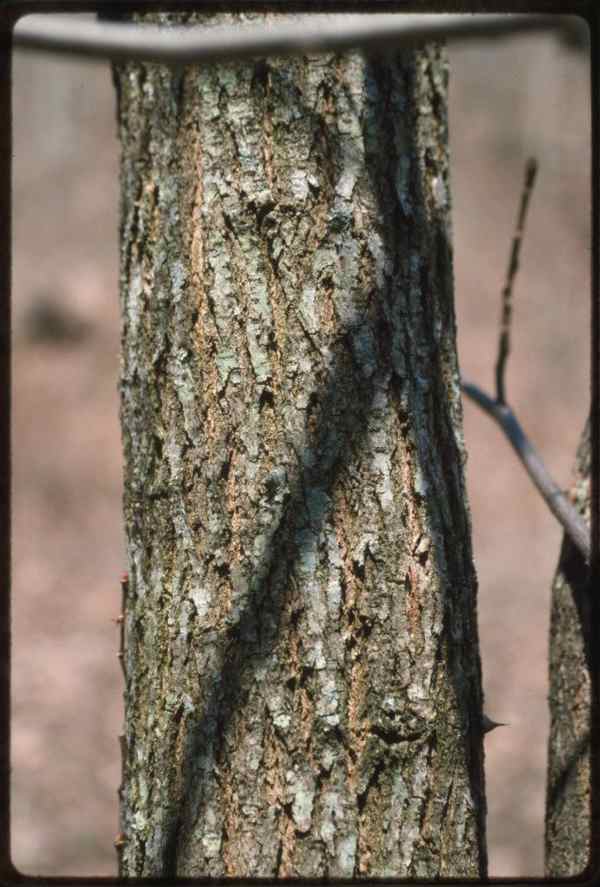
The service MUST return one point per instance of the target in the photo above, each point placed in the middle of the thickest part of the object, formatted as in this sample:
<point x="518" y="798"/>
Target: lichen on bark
<point x="304" y="691"/>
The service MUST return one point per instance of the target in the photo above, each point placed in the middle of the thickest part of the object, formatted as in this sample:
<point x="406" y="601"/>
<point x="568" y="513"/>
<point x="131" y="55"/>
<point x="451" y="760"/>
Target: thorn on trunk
<point x="487" y="724"/>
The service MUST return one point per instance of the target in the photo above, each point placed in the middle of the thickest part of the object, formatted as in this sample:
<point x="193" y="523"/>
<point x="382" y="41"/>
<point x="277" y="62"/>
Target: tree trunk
<point x="303" y="677"/>
<point x="568" y="798"/>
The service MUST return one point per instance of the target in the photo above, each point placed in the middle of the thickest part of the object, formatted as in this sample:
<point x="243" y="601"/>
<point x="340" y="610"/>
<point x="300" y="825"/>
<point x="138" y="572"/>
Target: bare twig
<point x="513" y="267"/>
<point x="557" y="502"/>
<point x="572" y="523"/>
<point x="185" y="45"/>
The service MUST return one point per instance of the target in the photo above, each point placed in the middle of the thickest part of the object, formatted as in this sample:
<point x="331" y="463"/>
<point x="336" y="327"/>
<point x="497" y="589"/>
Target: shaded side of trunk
<point x="304" y="690"/>
<point x="568" y="798"/>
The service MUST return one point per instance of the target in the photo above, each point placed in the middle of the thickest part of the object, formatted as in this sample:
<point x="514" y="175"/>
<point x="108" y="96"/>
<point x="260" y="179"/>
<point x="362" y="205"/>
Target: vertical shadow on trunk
<point x="429" y="240"/>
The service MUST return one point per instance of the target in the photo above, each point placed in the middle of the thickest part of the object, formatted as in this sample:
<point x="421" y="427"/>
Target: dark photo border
<point x="10" y="12"/>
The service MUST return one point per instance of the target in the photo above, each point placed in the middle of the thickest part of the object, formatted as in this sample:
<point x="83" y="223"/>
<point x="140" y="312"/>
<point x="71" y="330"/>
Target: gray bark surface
<point x="568" y="790"/>
<point x="303" y="678"/>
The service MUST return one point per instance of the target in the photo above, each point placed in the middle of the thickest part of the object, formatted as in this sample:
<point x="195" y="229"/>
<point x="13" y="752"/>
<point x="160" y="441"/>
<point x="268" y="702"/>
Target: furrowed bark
<point x="568" y="790"/>
<point x="303" y="674"/>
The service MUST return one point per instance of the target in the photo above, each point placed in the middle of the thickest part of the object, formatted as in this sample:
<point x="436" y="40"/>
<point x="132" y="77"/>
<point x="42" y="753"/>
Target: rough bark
<point x="303" y="677"/>
<point x="568" y="798"/>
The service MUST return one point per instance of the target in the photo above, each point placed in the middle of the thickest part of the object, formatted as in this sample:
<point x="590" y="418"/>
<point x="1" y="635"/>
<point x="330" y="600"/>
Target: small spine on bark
<point x="120" y="620"/>
<point x="121" y="838"/>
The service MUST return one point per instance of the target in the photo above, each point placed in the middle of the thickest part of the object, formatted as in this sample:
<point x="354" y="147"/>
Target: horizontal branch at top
<point x="312" y="33"/>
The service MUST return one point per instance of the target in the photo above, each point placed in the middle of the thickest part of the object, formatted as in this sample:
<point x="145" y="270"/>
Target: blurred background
<point x="510" y="98"/>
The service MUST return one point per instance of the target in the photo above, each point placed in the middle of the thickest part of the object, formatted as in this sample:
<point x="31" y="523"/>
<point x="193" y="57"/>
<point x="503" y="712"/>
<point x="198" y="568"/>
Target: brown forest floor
<point x="509" y="99"/>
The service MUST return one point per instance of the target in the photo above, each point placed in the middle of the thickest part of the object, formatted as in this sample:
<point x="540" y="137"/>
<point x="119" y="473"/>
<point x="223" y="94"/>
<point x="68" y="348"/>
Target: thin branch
<point x="513" y="267"/>
<point x="572" y="523"/>
<point x="192" y="44"/>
